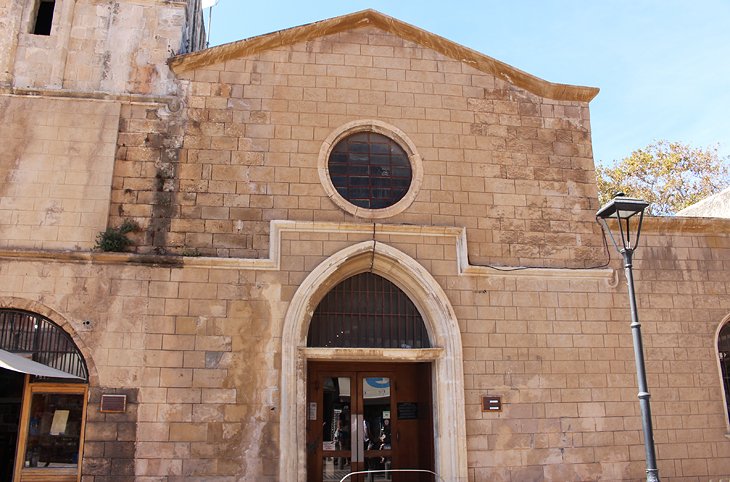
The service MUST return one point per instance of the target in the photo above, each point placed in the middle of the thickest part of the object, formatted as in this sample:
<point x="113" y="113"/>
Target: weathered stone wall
<point x="507" y="164"/>
<point x="201" y="339"/>
<point x="56" y="166"/>
<point x="561" y="353"/>
<point x="146" y="188"/>
<point x="109" y="46"/>
<point x="194" y="35"/>
<point x="10" y="17"/>
<point x="198" y="343"/>
<point x="110" y="439"/>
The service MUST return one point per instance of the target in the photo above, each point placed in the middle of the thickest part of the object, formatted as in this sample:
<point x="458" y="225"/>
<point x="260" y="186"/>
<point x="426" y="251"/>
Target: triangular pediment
<point x="365" y="18"/>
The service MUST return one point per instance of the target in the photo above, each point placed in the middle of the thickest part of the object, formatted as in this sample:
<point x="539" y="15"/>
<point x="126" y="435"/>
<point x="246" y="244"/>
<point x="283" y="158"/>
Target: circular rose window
<point x="370" y="170"/>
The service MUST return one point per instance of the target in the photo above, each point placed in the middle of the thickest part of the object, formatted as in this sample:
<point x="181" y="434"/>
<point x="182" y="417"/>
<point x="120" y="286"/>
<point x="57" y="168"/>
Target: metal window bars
<point x="367" y="311"/>
<point x="27" y="333"/>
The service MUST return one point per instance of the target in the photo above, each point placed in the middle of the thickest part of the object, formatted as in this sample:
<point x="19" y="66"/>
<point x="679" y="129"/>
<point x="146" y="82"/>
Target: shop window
<point x="367" y="311"/>
<point x="52" y="425"/>
<point x="723" y="351"/>
<point x="44" y="17"/>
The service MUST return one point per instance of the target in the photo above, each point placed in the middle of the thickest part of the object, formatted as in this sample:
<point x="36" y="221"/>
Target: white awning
<point x="17" y="363"/>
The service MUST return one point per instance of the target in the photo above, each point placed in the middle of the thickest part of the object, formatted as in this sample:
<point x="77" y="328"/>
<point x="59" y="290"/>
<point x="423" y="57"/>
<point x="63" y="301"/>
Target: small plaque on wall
<point x="113" y="403"/>
<point x="491" y="404"/>
<point x="407" y="411"/>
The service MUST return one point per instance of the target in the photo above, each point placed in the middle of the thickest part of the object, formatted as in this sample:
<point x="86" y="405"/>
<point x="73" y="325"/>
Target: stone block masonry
<point x="497" y="159"/>
<point x="56" y="169"/>
<point x="202" y="346"/>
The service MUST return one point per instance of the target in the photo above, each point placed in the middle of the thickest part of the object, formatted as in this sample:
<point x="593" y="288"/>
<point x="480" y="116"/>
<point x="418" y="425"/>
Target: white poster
<point x="60" y="419"/>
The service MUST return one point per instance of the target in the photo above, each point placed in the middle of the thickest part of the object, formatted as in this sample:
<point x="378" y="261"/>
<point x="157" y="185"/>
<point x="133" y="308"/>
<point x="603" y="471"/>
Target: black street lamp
<point x="623" y="209"/>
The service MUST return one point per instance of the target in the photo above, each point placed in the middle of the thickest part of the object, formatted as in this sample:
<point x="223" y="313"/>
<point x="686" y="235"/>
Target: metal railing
<point x="383" y="471"/>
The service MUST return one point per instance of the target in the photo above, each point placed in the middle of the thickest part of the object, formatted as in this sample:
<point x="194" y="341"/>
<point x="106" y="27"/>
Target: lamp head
<point x="622" y="209"/>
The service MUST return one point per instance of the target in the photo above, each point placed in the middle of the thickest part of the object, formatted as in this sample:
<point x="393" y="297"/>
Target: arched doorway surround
<point x="723" y="365"/>
<point x="444" y="333"/>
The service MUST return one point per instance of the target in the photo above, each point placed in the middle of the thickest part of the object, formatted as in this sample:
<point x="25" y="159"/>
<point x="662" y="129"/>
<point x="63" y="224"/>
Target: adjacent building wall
<point x="56" y="168"/>
<point x="112" y="47"/>
<point x="60" y="143"/>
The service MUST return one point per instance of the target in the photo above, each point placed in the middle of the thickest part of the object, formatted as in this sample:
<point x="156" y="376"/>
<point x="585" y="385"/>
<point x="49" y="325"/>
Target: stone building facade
<point x="223" y="158"/>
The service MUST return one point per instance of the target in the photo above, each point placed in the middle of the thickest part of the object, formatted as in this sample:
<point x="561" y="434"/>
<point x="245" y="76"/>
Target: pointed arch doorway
<point x="439" y="365"/>
<point x="368" y="416"/>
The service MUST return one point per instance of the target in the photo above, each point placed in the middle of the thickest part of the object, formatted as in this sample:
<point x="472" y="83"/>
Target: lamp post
<point x="625" y="210"/>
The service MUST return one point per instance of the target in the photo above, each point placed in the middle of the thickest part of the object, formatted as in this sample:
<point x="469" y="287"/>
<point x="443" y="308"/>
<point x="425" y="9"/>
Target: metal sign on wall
<point x="491" y="404"/>
<point x="113" y="403"/>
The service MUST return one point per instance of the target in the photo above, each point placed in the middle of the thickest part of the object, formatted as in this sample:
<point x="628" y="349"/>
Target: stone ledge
<point x="375" y="354"/>
<point x="273" y="262"/>
<point x="171" y="100"/>
<point x="682" y="225"/>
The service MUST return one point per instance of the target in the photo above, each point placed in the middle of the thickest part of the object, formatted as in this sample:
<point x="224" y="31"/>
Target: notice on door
<point x="312" y="411"/>
<point x="407" y="411"/>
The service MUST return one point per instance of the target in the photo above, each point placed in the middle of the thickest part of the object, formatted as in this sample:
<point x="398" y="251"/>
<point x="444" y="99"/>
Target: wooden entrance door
<point x="369" y="416"/>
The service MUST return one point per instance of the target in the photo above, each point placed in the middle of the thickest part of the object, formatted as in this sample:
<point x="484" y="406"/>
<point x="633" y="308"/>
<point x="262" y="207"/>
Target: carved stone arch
<point x="723" y="373"/>
<point x="444" y="333"/>
<point x="61" y="321"/>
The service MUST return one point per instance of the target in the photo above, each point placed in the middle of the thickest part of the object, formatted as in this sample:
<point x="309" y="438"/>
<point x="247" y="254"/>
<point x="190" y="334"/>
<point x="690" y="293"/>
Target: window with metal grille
<point x="370" y="170"/>
<point x="42" y="340"/>
<point x="367" y="311"/>
<point x="723" y="349"/>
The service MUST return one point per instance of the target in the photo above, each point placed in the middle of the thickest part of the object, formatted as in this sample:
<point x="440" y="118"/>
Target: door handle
<point x="397" y="435"/>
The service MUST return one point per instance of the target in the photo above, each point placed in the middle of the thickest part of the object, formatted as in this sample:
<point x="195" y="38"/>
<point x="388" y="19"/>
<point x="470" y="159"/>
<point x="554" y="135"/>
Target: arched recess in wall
<point x="722" y="347"/>
<point x="45" y="378"/>
<point x="444" y="334"/>
<point x="60" y="321"/>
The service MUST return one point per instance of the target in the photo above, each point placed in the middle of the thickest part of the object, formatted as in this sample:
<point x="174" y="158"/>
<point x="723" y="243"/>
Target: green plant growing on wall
<point x="191" y="252"/>
<point x="115" y="239"/>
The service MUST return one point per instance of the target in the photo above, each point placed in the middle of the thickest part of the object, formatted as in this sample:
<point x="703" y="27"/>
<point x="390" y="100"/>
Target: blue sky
<point x="663" y="67"/>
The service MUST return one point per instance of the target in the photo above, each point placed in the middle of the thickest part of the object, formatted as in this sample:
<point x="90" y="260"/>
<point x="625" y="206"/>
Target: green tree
<point x="670" y="175"/>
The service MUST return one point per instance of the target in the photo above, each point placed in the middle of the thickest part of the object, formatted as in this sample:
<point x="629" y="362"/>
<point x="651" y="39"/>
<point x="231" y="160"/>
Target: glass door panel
<point x="368" y="417"/>
<point x="337" y="422"/>
<point x="376" y="429"/>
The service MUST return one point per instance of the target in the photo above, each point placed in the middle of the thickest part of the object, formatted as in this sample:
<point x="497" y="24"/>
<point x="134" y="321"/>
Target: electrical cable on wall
<point x="372" y="259"/>
<point x="521" y="268"/>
